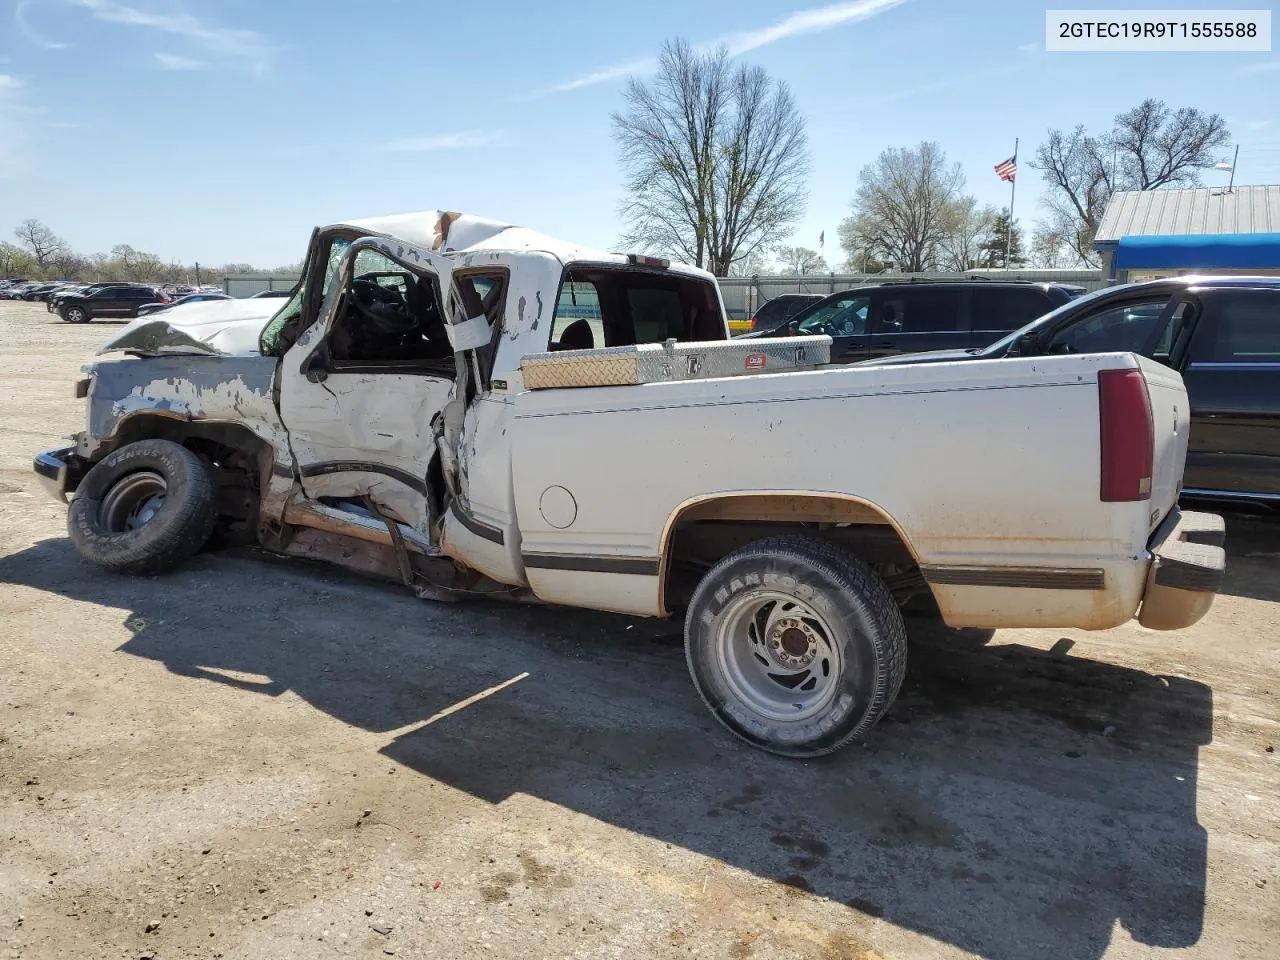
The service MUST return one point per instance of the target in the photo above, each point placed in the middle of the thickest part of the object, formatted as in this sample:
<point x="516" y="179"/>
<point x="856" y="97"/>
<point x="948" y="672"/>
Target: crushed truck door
<point x="361" y="387"/>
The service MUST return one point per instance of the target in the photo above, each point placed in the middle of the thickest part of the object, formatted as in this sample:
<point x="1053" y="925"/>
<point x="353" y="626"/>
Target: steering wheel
<point x="382" y="308"/>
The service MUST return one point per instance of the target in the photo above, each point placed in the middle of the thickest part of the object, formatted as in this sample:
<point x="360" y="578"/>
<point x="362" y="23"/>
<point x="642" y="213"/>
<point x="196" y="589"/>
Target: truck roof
<point x="449" y="232"/>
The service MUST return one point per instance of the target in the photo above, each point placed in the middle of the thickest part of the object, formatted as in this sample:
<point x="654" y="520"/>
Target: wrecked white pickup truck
<point x="478" y="409"/>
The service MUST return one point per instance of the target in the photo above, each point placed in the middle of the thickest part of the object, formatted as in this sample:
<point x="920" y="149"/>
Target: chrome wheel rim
<point x="779" y="656"/>
<point x="133" y="502"/>
<point x="74" y="315"/>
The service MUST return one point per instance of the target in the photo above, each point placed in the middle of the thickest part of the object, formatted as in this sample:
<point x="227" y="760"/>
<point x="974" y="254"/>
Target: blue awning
<point x="1214" y="251"/>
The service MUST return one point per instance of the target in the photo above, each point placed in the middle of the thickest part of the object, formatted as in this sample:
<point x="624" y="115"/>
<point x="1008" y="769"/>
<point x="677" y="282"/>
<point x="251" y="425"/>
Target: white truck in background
<point x="478" y="409"/>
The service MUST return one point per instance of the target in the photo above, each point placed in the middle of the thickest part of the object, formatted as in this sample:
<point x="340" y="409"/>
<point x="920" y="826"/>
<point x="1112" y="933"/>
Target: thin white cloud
<point x="442" y="141"/>
<point x="797" y="24"/>
<point x="232" y="43"/>
<point x="33" y="35"/>
<point x="8" y="83"/>
<point x="603" y="76"/>
<point x="1032" y="47"/>
<point x="1258" y="124"/>
<point x="1266" y="66"/>
<point x="938" y="86"/>
<point x="171" y="61"/>
<point x="805" y="21"/>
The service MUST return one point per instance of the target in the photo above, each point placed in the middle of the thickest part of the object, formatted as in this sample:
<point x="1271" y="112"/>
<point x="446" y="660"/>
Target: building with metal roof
<point x="1155" y="233"/>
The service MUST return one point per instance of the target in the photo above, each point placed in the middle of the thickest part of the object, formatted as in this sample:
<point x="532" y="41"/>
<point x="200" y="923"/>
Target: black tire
<point x="852" y="605"/>
<point x="75" y="314"/>
<point x="179" y="527"/>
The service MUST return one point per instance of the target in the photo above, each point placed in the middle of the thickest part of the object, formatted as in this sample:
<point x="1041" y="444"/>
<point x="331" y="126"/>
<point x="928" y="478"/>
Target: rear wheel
<point x="796" y="646"/>
<point x="144" y="508"/>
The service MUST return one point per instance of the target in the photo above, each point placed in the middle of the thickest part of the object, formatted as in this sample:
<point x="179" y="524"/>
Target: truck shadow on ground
<point x="1015" y="803"/>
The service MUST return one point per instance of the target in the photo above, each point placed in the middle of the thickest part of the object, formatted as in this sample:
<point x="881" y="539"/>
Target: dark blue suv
<point x="909" y="316"/>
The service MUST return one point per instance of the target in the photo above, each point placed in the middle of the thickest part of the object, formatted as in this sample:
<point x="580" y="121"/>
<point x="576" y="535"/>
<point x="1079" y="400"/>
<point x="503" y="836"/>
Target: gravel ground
<point x="255" y="757"/>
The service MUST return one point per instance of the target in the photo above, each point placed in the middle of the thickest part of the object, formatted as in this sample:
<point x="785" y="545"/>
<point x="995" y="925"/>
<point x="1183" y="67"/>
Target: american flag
<point x="1008" y="169"/>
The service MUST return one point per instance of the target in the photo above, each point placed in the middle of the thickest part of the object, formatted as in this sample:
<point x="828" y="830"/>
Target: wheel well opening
<point x="707" y="532"/>
<point x="240" y="461"/>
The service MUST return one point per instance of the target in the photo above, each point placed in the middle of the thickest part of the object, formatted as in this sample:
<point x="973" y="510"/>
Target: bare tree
<point x="1050" y="249"/>
<point x="968" y="227"/>
<point x="43" y="243"/>
<point x="715" y="158"/>
<point x="754" y="264"/>
<point x="801" y="260"/>
<point x="1148" y="147"/>
<point x="904" y="207"/>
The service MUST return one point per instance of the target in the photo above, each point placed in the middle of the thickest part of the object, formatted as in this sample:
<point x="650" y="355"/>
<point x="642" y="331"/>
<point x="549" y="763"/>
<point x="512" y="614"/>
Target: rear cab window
<point x="602" y="306"/>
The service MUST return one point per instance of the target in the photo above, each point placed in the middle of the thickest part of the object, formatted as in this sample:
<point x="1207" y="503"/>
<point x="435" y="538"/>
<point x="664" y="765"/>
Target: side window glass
<point x="1005" y="310"/>
<point x="846" y="317"/>
<point x="577" y="324"/>
<point x="1247" y="331"/>
<point x="1132" y="328"/>
<point x="920" y="311"/>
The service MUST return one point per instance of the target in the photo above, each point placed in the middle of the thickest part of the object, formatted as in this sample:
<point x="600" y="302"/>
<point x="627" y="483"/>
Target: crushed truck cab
<point x="476" y="409"/>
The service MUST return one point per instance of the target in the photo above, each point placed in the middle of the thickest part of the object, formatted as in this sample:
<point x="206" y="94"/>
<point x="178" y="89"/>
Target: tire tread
<point x="856" y="578"/>
<point x="192" y="511"/>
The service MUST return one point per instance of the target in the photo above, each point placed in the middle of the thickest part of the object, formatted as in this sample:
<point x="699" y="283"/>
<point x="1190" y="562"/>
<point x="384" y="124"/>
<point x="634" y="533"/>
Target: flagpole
<point x="1013" y="187"/>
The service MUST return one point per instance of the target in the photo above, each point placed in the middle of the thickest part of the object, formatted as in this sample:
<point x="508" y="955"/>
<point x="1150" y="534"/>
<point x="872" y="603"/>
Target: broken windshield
<point x="288" y="315"/>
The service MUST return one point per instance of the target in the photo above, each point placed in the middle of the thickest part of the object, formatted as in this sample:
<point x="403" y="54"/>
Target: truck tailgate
<point x="1171" y="420"/>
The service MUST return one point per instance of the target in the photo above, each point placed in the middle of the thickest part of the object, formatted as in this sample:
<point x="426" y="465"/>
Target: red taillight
<point x="1128" y="435"/>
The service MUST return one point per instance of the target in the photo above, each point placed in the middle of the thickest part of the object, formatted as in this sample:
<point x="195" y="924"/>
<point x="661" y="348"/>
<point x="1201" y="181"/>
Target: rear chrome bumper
<point x="1187" y="568"/>
<point x="56" y="471"/>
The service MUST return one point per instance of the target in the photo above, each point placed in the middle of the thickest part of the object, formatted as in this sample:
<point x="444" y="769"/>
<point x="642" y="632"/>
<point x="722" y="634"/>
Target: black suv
<point x="122" y="301"/>
<point x="914" y="315"/>
<point x="1221" y="333"/>
<point x="55" y="299"/>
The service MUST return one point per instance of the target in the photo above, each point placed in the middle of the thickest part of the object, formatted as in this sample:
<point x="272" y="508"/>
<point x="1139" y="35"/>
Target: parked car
<point x="15" y="290"/>
<point x="149" y="308"/>
<point x="40" y="291"/>
<point x="772" y="314"/>
<point x="55" y="299"/>
<point x="414" y="414"/>
<point x="121" y="301"/>
<point x="1221" y="333"/>
<point x="910" y="316"/>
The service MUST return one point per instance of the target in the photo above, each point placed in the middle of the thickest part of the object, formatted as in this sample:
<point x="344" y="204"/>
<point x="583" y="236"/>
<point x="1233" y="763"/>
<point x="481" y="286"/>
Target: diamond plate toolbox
<point x="665" y="362"/>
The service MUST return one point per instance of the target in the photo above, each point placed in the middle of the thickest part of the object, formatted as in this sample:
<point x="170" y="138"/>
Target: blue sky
<point x="223" y="130"/>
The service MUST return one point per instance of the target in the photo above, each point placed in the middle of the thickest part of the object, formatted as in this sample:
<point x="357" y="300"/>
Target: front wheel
<point x="796" y="646"/>
<point x="75" y="315"/>
<point x="144" y="508"/>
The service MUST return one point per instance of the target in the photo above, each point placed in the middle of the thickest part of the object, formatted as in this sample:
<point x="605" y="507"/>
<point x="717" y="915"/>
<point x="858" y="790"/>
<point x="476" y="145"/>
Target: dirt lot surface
<point x="263" y="758"/>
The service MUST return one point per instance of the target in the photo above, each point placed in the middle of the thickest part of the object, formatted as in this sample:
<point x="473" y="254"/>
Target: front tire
<point x="144" y="508"/>
<point x="795" y="646"/>
<point x="75" y="315"/>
